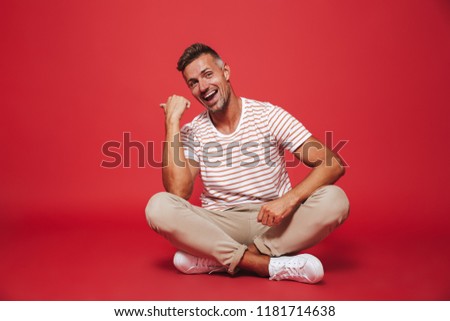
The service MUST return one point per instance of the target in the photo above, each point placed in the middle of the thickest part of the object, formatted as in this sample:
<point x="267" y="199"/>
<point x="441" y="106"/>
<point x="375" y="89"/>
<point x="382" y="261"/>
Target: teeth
<point x="210" y="94"/>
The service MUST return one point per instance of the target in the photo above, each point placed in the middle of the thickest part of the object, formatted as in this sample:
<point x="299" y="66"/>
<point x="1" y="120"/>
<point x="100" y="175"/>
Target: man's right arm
<point x="178" y="174"/>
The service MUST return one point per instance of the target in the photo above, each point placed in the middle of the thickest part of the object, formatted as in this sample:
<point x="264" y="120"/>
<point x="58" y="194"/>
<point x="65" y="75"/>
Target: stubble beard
<point x="222" y="104"/>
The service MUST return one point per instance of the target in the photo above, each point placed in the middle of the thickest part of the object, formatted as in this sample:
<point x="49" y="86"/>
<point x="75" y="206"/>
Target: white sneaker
<point x="304" y="268"/>
<point x="190" y="264"/>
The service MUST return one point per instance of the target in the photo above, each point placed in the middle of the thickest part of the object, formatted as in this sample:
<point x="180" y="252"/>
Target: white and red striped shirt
<point x="247" y="166"/>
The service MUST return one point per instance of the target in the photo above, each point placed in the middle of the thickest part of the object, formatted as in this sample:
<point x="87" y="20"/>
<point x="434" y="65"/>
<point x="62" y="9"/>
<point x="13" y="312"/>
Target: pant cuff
<point x="237" y="257"/>
<point x="263" y="248"/>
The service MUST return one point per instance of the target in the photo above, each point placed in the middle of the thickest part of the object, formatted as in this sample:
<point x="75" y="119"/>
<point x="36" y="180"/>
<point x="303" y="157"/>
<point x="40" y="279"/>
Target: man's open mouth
<point x="210" y="95"/>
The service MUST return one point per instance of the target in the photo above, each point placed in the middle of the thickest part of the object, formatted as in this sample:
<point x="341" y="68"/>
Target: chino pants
<point x="225" y="235"/>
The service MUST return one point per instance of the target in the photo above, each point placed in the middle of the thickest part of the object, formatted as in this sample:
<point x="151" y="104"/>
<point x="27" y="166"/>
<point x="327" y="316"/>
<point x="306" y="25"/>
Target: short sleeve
<point x="286" y="129"/>
<point x="190" y="144"/>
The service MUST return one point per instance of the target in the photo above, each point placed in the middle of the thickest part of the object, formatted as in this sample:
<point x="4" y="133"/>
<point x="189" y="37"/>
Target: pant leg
<point x="318" y="216"/>
<point x="193" y="229"/>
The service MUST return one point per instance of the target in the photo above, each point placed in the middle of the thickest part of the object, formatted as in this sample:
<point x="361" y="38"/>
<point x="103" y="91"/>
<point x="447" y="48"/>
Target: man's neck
<point x="226" y="121"/>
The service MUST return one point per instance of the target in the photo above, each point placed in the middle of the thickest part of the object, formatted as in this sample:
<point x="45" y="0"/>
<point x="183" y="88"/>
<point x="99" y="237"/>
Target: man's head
<point x="207" y="76"/>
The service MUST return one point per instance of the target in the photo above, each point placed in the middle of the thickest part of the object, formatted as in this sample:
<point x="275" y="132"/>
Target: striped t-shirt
<point x="247" y="166"/>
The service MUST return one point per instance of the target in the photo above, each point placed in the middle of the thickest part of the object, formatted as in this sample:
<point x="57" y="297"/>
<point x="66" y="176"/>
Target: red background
<point x="77" y="74"/>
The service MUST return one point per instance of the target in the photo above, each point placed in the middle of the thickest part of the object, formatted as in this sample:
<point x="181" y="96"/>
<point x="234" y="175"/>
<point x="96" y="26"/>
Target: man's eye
<point x="192" y="84"/>
<point x="208" y="74"/>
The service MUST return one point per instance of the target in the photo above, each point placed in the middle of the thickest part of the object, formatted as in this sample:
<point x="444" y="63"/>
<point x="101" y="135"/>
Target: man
<point x="250" y="218"/>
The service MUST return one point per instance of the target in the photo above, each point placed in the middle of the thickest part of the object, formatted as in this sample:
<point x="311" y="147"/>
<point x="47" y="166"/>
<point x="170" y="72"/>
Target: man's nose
<point x="203" y="85"/>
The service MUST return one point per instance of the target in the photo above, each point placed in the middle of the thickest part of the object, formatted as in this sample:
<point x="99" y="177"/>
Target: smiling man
<point x="251" y="217"/>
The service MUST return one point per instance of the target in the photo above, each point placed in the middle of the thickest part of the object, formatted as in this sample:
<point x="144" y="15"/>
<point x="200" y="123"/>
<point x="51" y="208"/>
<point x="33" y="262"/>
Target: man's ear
<point x="226" y="72"/>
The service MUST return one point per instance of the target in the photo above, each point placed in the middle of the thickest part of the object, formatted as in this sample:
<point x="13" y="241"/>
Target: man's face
<point x="208" y="82"/>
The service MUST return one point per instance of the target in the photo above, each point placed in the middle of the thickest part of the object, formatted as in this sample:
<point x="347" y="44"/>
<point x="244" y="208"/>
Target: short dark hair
<point x="193" y="52"/>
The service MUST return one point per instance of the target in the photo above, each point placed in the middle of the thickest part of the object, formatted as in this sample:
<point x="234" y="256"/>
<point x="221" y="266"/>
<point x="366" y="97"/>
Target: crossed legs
<point x="235" y="239"/>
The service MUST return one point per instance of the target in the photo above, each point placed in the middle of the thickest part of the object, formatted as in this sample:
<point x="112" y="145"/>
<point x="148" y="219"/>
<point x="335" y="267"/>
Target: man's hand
<point x="274" y="212"/>
<point x="175" y="107"/>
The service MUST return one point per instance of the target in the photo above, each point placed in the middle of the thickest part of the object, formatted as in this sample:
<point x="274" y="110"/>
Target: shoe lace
<point x="292" y="268"/>
<point x="203" y="262"/>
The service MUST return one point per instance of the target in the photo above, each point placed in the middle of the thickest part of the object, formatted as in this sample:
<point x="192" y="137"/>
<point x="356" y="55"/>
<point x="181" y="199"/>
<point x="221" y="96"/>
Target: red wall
<point x="76" y="74"/>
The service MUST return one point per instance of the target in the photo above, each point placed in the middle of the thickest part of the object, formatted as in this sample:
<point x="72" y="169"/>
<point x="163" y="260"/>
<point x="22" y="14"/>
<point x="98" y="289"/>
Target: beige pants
<point x="224" y="235"/>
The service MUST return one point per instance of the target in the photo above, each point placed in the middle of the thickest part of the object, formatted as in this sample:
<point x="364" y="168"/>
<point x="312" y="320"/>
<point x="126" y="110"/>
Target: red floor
<point x="122" y="259"/>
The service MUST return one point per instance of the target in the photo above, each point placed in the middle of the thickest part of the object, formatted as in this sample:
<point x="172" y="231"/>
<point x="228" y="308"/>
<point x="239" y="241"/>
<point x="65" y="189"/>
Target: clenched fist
<point x="175" y="107"/>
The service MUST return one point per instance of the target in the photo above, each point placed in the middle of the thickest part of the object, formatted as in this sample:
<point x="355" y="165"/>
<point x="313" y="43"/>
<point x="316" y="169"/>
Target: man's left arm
<point x="326" y="169"/>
